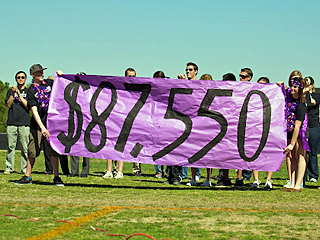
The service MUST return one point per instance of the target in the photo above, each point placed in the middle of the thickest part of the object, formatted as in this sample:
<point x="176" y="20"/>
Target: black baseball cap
<point x="35" y="68"/>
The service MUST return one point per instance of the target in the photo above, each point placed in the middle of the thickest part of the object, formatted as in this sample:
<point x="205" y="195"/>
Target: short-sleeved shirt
<point x="18" y="115"/>
<point x="34" y="98"/>
<point x="313" y="111"/>
<point x="300" y="111"/>
<point x="299" y="114"/>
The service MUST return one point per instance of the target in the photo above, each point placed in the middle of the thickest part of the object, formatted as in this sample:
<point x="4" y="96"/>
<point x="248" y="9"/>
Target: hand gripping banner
<point x="218" y="124"/>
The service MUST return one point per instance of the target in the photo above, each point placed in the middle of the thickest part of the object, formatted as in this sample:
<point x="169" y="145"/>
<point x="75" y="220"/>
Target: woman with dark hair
<point x="297" y="142"/>
<point x="313" y="101"/>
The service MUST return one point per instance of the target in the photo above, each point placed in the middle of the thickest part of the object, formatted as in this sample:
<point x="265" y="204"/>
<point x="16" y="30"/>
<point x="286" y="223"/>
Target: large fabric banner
<point x="218" y="124"/>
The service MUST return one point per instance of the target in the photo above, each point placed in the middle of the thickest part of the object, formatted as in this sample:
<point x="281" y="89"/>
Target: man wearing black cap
<point x="38" y="97"/>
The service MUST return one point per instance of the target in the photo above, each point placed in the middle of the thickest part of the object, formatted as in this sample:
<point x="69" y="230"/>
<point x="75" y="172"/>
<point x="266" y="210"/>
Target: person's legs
<point x="269" y="175"/>
<point x="209" y="174"/>
<point x="314" y="138"/>
<point x="55" y="165"/>
<point x="193" y="173"/>
<point x="34" y="148"/>
<point x="256" y="181"/>
<point x="184" y="172"/>
<point x="193" y="177"/>
<point x="137" y="169"/>
<point x="109" y="173"/>
<point x="24" y="132"/>
<point x="246" y="174"/>
<point x="255" y="175"/>
<point x="301" y="165"/>
<point x="120" y="173"/>
<point x="158" y="169"/>
<point x="47" y="159"/>
<point x="64" y="164"/>
<point x="120" y="166"/>
<point x="85" y="166"/>
<point x="74" y="160"/>
<point x="12" y="135"/>
<point x="239" y="174"/>
<point x="294" y="164"/>
<point x="198" y="173"/>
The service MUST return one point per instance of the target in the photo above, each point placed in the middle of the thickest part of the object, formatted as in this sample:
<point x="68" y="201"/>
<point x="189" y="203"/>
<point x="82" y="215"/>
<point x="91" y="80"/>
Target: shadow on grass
<point x="161" y="186"/>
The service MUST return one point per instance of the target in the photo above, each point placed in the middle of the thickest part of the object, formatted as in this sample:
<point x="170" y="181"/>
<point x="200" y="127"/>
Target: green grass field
<point x="145" y="205"/>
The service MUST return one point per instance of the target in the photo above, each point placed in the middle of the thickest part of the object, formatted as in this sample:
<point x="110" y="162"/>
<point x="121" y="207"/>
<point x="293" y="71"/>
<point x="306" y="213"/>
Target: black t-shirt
<point x="35" y="98"/>
<point x="300" y="111"/>
<point x="18" y="115"/>
<point x="313" y="111"/>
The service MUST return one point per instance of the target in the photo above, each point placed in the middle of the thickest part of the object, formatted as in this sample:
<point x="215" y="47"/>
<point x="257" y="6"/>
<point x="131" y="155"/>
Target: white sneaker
<point x="206" y="183"/>
<point x="288" y="184"/>
<point x="256" y="184"/>
<point x="192" y="183"/>
<point x="119" y="175"/>
<point x="313" y="180"/>
<point x="108" y="175"/>
<point x="197" y="178"/>
<point x="268" y="184"/>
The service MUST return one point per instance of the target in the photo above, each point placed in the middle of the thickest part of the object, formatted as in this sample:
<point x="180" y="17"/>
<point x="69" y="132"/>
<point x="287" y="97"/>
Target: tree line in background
<point x="4" y="87"/>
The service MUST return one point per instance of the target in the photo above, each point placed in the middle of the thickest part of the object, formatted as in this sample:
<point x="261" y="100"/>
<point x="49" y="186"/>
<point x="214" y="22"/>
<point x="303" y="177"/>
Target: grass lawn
<point x="145" y="205"/>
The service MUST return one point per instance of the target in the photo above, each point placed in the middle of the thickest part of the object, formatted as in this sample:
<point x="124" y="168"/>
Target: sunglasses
<point x="189" y="69"/>
<point x="243" y="76"/>
<point x="22" y="77"/>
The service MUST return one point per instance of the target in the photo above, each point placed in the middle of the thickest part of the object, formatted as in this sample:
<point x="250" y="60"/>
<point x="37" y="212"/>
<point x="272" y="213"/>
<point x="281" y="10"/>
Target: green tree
<point x="4" y="87"/>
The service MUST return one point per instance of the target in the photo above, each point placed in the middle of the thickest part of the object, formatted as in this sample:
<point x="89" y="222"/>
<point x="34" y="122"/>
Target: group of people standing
<point x="302" y="113"/>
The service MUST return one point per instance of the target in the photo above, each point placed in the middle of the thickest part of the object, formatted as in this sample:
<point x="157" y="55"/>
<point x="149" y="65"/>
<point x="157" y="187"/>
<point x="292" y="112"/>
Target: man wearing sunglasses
<point x="18" y="124"/>
<point x="38" y="101"/>
<point x="245" y="75"/>
<point x="191" y="71"/>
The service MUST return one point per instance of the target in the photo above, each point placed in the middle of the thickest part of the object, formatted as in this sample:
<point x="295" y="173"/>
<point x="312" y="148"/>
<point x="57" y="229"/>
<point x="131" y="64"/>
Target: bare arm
<point x="10" y="100"/>
<point x="297" y="125"/>
<point x="36" y="117"/>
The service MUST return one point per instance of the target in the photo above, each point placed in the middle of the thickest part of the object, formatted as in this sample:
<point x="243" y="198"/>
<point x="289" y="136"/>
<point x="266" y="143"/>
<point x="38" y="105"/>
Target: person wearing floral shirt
<point x="38" y="101"/>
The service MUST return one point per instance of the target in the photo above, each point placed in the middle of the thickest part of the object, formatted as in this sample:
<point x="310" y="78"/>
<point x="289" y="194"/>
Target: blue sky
<point x="273" y="38"/>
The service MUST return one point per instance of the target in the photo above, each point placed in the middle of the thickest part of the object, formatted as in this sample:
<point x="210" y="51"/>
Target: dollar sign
<point x="70" y="95"/>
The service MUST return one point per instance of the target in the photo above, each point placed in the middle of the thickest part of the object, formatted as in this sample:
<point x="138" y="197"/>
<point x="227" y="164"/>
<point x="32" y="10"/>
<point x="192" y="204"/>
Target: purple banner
<point x="218" y="124"/>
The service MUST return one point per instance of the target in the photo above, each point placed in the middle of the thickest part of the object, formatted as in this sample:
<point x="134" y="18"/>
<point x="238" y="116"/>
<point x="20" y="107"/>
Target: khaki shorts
<point x="35" y="144"/>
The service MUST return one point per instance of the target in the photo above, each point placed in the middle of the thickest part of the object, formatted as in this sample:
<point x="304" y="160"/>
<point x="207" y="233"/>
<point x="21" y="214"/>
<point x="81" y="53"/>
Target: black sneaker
<point x="175" y="182"/>
<point x="58" y="182"/>
<point x="239" y="182"/>
<point x="24" y="181"/>
<point x="223" y="183"/>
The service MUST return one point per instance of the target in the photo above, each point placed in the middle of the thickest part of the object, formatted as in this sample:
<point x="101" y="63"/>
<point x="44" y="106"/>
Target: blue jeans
<point x="158" y="168"/>
<point x="184" y="172"/>
<point x="312" y="166"/>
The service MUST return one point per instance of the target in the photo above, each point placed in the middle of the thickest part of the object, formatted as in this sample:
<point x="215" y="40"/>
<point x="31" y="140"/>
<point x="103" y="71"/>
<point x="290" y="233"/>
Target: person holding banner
<point x="38" y="97"/>
<point x="313" y="101"/>
<point x="130" y="72"/>
<point x="223" y="177"/>
<point x="159" y="168"/>
<point x="192" y="71"/>
<point x="295" y="114"/>
<point x="256" y="182"/>
<point x="245" y="75"/>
